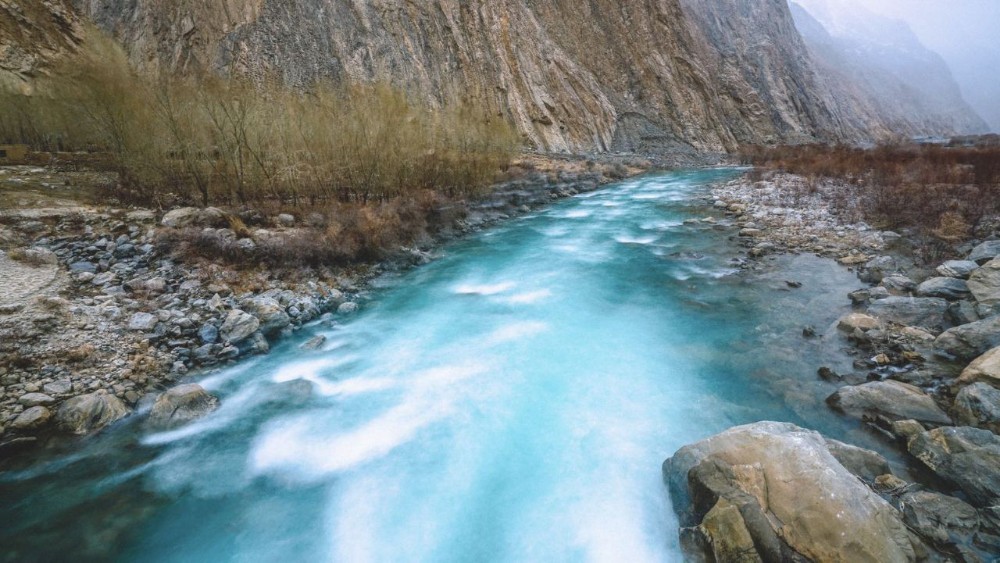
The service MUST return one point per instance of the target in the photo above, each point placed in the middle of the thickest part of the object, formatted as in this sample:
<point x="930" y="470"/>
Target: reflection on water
<point x="512" y="401"/>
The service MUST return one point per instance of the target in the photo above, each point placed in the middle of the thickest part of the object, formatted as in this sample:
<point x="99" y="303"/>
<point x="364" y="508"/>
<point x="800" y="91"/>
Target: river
<point x="511" y="401"/>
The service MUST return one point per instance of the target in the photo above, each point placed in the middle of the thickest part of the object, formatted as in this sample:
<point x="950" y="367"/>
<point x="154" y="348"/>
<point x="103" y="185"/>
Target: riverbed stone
<point x="31" y="419"/>
<point x="984" y="283"/>
<point x="971" y="340"/>
<point x="899" y="284"/>
<point x="978" y="405"/>
<point x="35" y="399"/>
<point x="985" y="252"/>
<point x="968" y="457"/>
<point x="951" y="289"/>
<point x="179" y="406"/>
<point x="269" y="311"/>
<point x="892" y="400"/>
<point x="144" y="322"/>
<point x="89" y="413"/>
<point x="926" y="312"/>
<point x="238" y="326"/>
<point x="314" y="343"/>
<point x="347" y="308"/>
<point x="938" y="517"/>
<point x="960" y="269"/>
<point x="858" y="321"/>
<point x="60" y="387"/>
<point x="984" y="369"/>
<point x="794" y="498"/>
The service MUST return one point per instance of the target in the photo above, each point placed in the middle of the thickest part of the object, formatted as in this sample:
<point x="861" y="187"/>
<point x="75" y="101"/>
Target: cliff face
<point x="33" y="33"/>
<point x="645" y="75"/>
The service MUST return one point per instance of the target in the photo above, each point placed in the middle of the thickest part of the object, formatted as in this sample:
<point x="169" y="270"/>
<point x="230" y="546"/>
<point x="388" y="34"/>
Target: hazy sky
<point x="967" y="34"/>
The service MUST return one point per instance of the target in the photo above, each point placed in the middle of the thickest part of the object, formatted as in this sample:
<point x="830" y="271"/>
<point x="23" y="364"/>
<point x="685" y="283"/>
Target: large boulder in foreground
<point x="179" y="406"/>
<point x="970" y="340"/>
<point x="985" y="252"/>
<point x="892" y="400"/>
<point x="927" y="312"/>
<point x="774" y="492"/>
<point x="238" y="326"/>
<point x="90" y="413"/>
<point x="984" y="283"/>
<point x="967" y="457"/>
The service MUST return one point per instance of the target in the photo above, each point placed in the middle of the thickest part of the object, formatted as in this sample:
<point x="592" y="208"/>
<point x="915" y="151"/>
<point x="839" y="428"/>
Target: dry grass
<point x="939" y="191"/>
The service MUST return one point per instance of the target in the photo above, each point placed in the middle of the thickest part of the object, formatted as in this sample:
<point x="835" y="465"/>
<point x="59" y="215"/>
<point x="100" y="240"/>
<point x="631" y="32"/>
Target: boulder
<point x="893" y="400"/>
<point x="179" y="406"/>
<point x="984" y="369"/>
<point x="926" y="312"/>
<point x="968" y="457"/>
<point x="144" y="322"/>
<point x="286" y="220"/>
<point x="238" y="326"/>
<point x="863" y="463"/>
<point x="35" y="399"/>
<point x="978" y="405"/>
<point x="985" y="252"/>
<point x="970" y="340"/>
<point x="32" y="419"/>
<point x="89" y="413"/>
<point x="957" y="269"/>
<point x="269" y="311"/>
<point x="60" y="387"/>
<point x="855" y="321"/>
<point x="951" y="289"/>
<point x="898" y="284"/>
<point x="984" y="283"/>
<point x="938" y="517"/>
<point x="774" y="492"/>
<point x="193" y="217"/>
<point x="208" y="334"/>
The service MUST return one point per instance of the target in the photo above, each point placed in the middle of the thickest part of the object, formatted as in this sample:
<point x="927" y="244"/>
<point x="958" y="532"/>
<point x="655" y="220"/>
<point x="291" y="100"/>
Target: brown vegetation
<point x="940" y="191"/>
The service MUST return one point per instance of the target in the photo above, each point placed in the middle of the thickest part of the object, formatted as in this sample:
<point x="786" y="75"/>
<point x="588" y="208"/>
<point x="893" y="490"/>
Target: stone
<point x="60" y="387"/>
<point x="286" y="220"/>
<point x="978" y="405"/>
<point x="866" y="464"/>
<point x="860" y="297"/>
<point x="906" y="429"/>
<point x="238" y="326"/>
<point x="32" y="419"/>
<point x="963" y="312"/>
<point x="193" y="217"/>
<point x="984" y="283"/>
<point x="970" y="340"/>
<point x="269" y="311"/>
<point x="898" y="284"/>
<point x="179" y="406"/>
<point x="35" y="399"/>
<point x="925" y="312"/>
<point x="960" y="269"/>
<point x="155" y="285"/>
<point x="314" y="343"/>
<point x="84" y="268"/>
<point x="858" y="321"/>
<point x="208" y="334"/>
<point x="145" y="322"/>
<point x="968" y="457"/>
<point x="985" y="252"/>
<point x="347" y="308"/>
<point x="890" y="399"/>
<point x="938" y="517"/>
<point x="89" y="413"/>
<point x="984" y="369"/>
<point x="951" y="289"/>
<point x="795" y="499"/>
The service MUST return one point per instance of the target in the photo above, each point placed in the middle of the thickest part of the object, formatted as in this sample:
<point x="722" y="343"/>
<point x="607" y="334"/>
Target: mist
<point x="963" y="32"/>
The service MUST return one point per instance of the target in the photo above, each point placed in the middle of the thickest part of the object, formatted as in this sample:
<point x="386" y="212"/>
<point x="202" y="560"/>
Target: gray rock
<point x="208" y="334"/>
<point x="286" y="220"/>
<point x="968" y="457"/>
<point x="155" y="285"/>
<point x="878" y="268"/>
<point x="90" y="413"/>
<point x="938" y="517"/>
<point x="144" y="322"/>
<point x="926" y="312"/>
<point x="984" y="283"/>
<point x="962" y="313"/>
<point x="952" y="289"/>
<point x="866" y="464"/>
<point x="971" y="340"/>
<point x="774" y="492"/>
<point x="83" y="267"/>
<point x="60" y="387"/>
<point x="857" y="321"/>
<point x="269" y="311"/>
<point x="978" y="405"/>
<point x="314" y="343"/>
<point x="892" y="400"/>
<point x="347" y="308"/>
<point x="957" y="269"/>
<point x="179" y="406"/>
<point x="193" y="217"/>
<point x="32" y="419"/>
<point x="238" y="326"/>
<point x="898" y="284"/>
<point x="35" y="399"/>
<point x="985" y="252"/>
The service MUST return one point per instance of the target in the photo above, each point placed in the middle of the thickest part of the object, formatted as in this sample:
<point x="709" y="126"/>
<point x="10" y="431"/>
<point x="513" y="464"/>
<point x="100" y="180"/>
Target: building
<point x="13" y="154"/>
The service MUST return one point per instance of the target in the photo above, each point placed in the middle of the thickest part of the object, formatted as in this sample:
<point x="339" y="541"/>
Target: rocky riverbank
<point x="926" y="338"/>
<point x="99" y="314"/>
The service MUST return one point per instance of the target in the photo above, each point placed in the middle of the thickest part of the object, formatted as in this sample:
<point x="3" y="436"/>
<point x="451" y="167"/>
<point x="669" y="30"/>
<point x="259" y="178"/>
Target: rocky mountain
<point x="626" y="75"/>
<point x="32" y="34"/>
<point x="878" y="65"/>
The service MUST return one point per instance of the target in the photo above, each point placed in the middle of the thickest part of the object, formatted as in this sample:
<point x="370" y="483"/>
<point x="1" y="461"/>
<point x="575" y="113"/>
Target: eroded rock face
<point x="968" y="457"/>
<point x="89" y="413"/>
<point x="179" y="406"/>
<point x="791" y="496"/>
<point x="927" y="312"/>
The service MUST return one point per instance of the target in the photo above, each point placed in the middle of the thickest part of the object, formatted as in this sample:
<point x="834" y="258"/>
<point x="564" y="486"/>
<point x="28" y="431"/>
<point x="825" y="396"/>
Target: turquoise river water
<point x="511" y="401"/>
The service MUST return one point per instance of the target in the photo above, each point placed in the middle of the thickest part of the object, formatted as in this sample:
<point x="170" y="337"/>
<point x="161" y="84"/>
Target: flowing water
<point x="512" y="401"/>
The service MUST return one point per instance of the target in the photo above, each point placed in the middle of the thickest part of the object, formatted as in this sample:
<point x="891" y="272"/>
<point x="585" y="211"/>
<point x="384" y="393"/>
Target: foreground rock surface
<point x="967" y="457"/>
<point x="774" y="492"/>
<point x="893" y="400"/>
<point x="90" y="413"/>
<point x="179" y="406"/>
